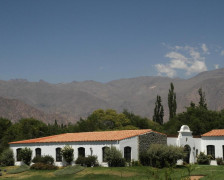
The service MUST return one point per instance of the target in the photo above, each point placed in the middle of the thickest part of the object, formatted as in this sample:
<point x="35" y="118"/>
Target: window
<point x="196" y="152"/>
<point x="58" y="155"/>
<point x="223" y="152"/>
<point x="18" y="157"/>
<point x="81" y="152"/>
<point x="38" y="152"/>
<point x="104" y="149"/>
<point x="211" y="150"/>
<point x="127" y="153"/>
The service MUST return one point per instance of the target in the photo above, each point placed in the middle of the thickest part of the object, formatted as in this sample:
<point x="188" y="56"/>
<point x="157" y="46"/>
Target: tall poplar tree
<point x="158" y="111"/>
<point x="202" y="101"/>
<point x="172" y="104"/>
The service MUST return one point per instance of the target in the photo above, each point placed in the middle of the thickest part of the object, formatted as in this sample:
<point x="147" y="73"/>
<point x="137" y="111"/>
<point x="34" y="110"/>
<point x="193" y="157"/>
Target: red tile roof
<point x="214" y="132"/>
<point x="87" y="136"/>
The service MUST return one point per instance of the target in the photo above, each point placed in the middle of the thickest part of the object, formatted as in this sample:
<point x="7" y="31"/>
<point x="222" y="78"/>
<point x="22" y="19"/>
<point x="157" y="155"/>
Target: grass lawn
<point x="126" y="173"/>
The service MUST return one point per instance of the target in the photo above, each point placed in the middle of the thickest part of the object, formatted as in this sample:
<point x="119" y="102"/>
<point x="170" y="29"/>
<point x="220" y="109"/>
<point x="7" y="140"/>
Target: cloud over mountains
<point x="189" y="59"/>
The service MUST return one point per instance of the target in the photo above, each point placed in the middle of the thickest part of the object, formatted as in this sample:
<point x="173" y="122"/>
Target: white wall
<point x="172" y="141"/>
<point x="133" y="143"/>
<point x="217" y="141"/>
<point x="50" y="149"/>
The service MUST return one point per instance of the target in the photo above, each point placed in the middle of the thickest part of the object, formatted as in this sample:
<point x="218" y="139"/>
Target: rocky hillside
<point x="73" y="100"/>
<point x="15" y="110"/>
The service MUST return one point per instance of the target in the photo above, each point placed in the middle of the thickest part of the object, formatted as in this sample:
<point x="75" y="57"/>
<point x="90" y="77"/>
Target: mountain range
<point x="67" y="102"/>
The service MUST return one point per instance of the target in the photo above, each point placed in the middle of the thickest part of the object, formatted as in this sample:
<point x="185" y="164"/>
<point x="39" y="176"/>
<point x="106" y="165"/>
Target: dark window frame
<point x="104" y="153"/>
<point x="58" y="155"/>
<point x="127" y="153"/>
<point x="18" y="157"/>
<point x="211" y="150"/>
<point x="38" y="152"/>
<point x="81" y="152"/>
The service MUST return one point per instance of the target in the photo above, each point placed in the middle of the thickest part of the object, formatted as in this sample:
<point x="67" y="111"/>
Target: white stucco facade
<point x="197" y="144"/>
<point x="91" y="148"/>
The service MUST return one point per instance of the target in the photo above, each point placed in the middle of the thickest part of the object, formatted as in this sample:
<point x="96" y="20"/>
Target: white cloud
<point x="222" y="53"/>
<point x="204" y="49"/>
<point x="164" y="69"/>
<point x="196" y="67"/>
<point x="216" y="66"/>
<point x="184" y="58"/>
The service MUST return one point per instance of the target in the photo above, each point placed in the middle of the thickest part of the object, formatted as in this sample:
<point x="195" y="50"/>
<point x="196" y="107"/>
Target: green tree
<point x="158" y="111"/>
<point x="172" y="104"/>
<point x="68" y="154"/>
<point x="5" y="124"/>
<point x="26" y="155"/>
<point x="6" y="158"/>
<point x="202" y="101"/>
<point x="114" y="157"/>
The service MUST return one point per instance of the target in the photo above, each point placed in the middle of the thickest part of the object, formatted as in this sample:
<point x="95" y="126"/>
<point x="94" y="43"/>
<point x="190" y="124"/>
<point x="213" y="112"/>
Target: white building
<point x="129" y="142"/>
<point x="211" y="143"/>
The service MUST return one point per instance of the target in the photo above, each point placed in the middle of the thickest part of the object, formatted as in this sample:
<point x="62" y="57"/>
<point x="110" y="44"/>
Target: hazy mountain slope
<point x="78" y="99"/>
<point x="15" y="110"/>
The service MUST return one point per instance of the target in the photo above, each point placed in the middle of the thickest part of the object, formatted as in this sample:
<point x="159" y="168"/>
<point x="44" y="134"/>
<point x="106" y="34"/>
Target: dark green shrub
<point x="80" y="160"/>
<point x="43" y="159"/>
<point x="161" y="155"/>
<point x="136" y="163"/>
<point x="144" y="159"/>
<point x="114" y="157"/>
<point x="6" y="158"/>
<point x="91" y="161"/>
<point x="67" y="153"/>
<point x="26" y="154"/>
<point x="42" y="166"/>
<point x="219" y="161"/>
<point x="87" y="161"/>
<point x="203" y="159"/>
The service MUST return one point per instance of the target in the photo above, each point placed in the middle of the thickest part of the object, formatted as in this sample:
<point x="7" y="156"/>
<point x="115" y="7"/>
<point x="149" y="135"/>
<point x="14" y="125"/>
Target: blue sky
<point x="103" y="40"/>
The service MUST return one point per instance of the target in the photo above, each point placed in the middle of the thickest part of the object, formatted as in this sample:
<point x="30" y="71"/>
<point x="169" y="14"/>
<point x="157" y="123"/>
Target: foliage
<point x="158" y="111"/>
<point x="144" y="159"/>
<point x="114" y="157"/>
<point x="88" y="161"/>
<point x="19" y="169"/>
<point x="26" y="154"/>
<point x="202" y="101"/>
<point x="43" y="159"/>
<point x="202" y="158"/>
<point x="42" y="166"/>
<point x="136" y="163"/>
<point x="5" y="124"/>
<point x="219" y="161"/>
<point x="163" y="156"/>
<point x="69" y="170"/>
<point x="68" y="154"/>
<point x="6" y="158"/>
<point x="172" y="104"/>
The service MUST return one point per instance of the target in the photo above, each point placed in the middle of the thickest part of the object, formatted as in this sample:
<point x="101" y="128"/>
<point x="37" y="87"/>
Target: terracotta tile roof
<point x="214" y="132"/>
<point x="87" y="136"/>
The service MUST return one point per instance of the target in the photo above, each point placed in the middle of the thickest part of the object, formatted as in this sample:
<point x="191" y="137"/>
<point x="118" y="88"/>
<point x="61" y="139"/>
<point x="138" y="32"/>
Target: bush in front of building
<point x="219" y="161"/>
<point x="114" y="157"/>
<point x="42" y="166"/>
<point x="6" y="158"/>
<point x="43" y="159"/>
<point x="160" y="155"/>
<point x="88" y="161"/>
<point x="26" y="154"/>
<point x="68" y="154"/>
<point x="202" y="158"/>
